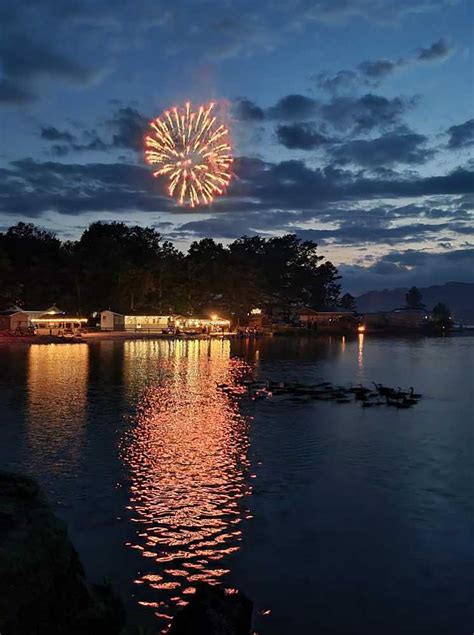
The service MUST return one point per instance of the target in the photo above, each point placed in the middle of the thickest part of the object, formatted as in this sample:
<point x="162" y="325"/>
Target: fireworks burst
<point x="192" y="150"/>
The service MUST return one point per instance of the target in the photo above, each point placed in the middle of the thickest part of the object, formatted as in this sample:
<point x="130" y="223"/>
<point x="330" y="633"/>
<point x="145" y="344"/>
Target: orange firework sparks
<point x="192" y="150"/>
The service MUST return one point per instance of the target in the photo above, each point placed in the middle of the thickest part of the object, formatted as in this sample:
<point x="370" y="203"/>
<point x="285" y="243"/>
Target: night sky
<point x="352" y="123"/>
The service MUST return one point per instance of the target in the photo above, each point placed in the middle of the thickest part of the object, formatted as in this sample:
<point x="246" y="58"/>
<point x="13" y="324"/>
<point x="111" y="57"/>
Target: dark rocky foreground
<point x="44" y="590"/>
<point x="214" y="610"/>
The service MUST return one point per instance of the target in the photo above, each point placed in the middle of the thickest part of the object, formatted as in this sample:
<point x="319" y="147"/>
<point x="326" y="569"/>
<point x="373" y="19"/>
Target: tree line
<point x="440" y="314"/>
<point x="113" y="265"/>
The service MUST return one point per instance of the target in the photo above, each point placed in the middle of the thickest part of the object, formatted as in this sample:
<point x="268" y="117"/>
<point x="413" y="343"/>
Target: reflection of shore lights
<point x="361" y="328"/>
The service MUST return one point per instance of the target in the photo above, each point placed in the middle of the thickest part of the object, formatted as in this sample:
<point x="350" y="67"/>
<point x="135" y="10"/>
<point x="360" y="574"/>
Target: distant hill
<point x="458" y="296"/>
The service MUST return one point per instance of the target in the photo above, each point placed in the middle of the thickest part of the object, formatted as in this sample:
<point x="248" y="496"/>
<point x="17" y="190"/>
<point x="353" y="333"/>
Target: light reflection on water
<point x="187" y="458"/>
<point x="57" y="394"/>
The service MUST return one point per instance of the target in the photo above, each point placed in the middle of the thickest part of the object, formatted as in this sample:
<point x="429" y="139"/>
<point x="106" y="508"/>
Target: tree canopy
<point x="131" y="268"/>
<point x="414" y="298"/>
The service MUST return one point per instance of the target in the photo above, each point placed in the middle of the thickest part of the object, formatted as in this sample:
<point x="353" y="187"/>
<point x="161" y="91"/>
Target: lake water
<point x="332" y="518"/>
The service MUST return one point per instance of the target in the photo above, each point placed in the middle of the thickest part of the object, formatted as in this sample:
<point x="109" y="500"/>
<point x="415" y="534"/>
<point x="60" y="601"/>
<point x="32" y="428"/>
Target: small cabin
<point x="14" y="320"/>
<point x="111" y="321"/>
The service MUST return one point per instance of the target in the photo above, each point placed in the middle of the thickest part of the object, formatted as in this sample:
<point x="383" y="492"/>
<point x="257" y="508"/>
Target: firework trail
<point x="192" y="150"/>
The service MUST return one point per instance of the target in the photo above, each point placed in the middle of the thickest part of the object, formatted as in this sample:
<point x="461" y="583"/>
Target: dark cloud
<point x="378" y="69"/>
<point x="362" y="114"/>
<point x="340" y="81"/>
<point x="124" y="129"/>
<point x="353" y="233"/>
<point x="437" y="51"/>
<point x="407" y="147"/>
<point x="410" y="267"/>
<point x="342" y="225"/>
<point x="462" y="135"/>
<point x="246" y="110"/>
<point x="65" y="141"/>
<point x="372" y="72"/>
<point x="294" y="108"/>
<point x="25" y="60"/>
<point x="347" y="113"/>
<point x="302" y="136"/>
<point x="13" y="93"/>
<point x="129" y="127"/>
<point x="50" y="133"/>
<point x="233" y="225"/>
<point x="32" y="188"/>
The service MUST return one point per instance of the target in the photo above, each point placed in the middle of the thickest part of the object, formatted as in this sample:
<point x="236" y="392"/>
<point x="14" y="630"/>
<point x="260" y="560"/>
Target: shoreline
<point x="117" y="336"/>
<point x="104" y="335"/>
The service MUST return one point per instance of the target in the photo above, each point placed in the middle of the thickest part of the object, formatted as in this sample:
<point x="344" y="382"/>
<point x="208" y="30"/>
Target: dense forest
<point x="126" y="268"/>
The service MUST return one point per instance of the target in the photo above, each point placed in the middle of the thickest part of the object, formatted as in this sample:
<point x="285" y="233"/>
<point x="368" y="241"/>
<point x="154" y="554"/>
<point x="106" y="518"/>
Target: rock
<point x="44" y="590"/>
<point x="214" y="611"/>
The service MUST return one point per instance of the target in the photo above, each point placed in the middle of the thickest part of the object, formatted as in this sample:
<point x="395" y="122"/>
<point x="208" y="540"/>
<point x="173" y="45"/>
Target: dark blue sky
<point x="352" y="121"/>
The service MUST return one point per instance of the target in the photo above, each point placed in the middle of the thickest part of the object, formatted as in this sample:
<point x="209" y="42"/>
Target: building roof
<point x="308" y="311"/>
<point x="58" y="317"/>
<point x="408" y="310"/>
<point x="12" y="311"/>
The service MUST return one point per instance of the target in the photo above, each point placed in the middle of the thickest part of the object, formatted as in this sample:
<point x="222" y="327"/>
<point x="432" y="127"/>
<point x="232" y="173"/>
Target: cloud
<point x="23" y="59"/>
<point x="301" y="136"/>
<point x="462" y="135"/>
<point x="30" y="34"/>
<point x="405" y="268"/>
<point x="65" y="142"/>
<point x="32" y="188"/>
<point x="391" y="148"/>
<point x="362" y="114"/>
<point x="378" y="69"/>
<point x="293" y="108"/>
<point x="336" y="82"/>
<point x="125" y="129"/>
<point x="246" y="110"/>
<point x="336" y="12"/>
<point x="437" y="51"/>
<point x="129" y="127"/>
<point x="305" y="121"/>
<point x="50" y="133"/>
<point x="372" y="72"/>
<point x="13" y="93"/>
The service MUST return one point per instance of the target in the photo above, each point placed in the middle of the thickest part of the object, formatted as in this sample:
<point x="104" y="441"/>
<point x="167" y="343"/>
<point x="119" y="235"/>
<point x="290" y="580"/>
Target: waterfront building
<point x="111" y="321"/>
<point x="327" y="320"/>
<point x="152" y="323"/>
<point x="17" y="319"/>
<point x="58" y="323"/>
<point x="404" y="319"/>
<point x="14" y="320"/>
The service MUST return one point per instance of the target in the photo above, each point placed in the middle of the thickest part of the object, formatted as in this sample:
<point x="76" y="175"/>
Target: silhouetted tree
<point x="130" y="268"/>
<point x="347" y="302"/>
<point x="441" y="315"/>
<point x="33" y="265"/>
<point x="414" y="299"/>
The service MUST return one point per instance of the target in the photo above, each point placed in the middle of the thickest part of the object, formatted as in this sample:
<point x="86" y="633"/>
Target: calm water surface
<point x="335" y="518"/>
